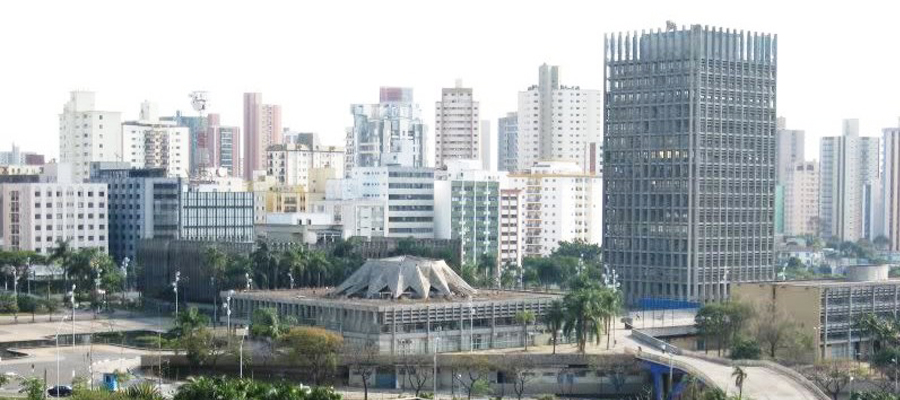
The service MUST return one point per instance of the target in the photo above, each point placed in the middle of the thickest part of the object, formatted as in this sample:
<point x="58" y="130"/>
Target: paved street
<point x="74" y="361"/>
<point x="84" y="323"/>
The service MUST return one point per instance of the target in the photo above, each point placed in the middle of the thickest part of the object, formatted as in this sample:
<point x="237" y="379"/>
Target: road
<point x="73" y="361"/>
<point x="84" y="323"/>
<point x="762" y="383"/>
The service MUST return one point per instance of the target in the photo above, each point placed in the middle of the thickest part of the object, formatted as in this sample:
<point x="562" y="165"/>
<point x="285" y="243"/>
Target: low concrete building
<point x="828" y="309"/>
<point x="417" y="304"/>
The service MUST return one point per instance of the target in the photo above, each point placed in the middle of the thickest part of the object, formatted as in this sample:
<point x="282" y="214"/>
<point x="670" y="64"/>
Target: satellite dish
<point x="199" y="101"/>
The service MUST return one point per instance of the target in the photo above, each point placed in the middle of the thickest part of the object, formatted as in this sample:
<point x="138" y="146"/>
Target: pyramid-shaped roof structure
<point x="404" y="277"/>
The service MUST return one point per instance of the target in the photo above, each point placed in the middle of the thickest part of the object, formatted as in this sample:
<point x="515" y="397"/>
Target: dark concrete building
<point x="689" y="160"/>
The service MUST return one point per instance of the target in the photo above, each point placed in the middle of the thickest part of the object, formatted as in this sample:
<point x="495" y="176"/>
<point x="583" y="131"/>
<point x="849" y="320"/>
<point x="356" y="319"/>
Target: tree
<point x="712" y="323"/>
<point x="362" y="360"/>
<point x="475" y="380"/>
<point x="521" y="371"/>
<point x="554" y="319"/>
<point x="739" y="376"/>
<point x="745" y="349"/>
<point x="831" y="375"/>
<point x="33" y="388"/>
<point x="525" y="317"/>
<point x="264" y="323"/>
<point x="585" y="312"/>
<point x="417" y="370"/>
<point x="778" y="333"/>
<point x="316" y="348"/>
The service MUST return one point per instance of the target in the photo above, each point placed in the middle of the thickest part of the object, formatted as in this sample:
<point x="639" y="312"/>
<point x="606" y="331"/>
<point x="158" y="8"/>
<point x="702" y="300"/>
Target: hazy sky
<point x="315" y="58"/>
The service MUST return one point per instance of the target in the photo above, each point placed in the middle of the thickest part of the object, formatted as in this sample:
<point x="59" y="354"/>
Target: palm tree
<point x="295" y="261"/>
<point x="739" y="377"/>
<point x="611" y="304"/>
<point x="525" y="317"/>
<point x="584" y="314"/>
<point x="318" y="265"/>
<point x="554" y="319"/>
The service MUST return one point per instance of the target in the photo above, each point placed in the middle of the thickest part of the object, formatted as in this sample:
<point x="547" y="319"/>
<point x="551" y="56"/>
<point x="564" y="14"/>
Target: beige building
<point x="801" y="199"/>
<point x="827" y="309"/>
<point x="456" y="126"/>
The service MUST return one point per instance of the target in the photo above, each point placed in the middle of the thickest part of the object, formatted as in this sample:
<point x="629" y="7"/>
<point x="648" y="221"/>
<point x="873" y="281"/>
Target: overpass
<point x="765" y="380"/>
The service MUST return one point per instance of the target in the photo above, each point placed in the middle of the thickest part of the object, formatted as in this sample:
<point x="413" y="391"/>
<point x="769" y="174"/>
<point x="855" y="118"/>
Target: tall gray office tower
<point x="508" y="142"/>
<point x="689" y="161"/>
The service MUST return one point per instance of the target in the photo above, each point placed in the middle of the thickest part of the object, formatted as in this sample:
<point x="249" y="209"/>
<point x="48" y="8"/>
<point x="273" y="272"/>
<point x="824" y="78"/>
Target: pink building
<point x="223" y="144"/>
<point x="262" y="128"/>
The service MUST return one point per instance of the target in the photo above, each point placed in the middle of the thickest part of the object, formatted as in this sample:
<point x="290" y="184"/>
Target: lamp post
<point x="175" y="287"/>
<point x="72" y="299"/>
<point x="16" y="293"/>
<point x="669" y="352"/>
<point x="434" y="376"/>
<point x="227" y="306"/>
<point x="212" y="280"/>
<point x="291" y="276"/>
<point x="241" y="351"/>
<point x="249" y="280"/>
<point x="58" y="327"/>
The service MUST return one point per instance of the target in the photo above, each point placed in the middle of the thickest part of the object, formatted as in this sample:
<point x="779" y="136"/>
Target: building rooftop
<point x="826" y="282"/>
<point x="404" y="277"/>
<point x="323" y="295"/>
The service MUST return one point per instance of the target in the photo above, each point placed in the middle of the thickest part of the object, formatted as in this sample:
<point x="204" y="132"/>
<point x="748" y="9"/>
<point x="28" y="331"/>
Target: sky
<point x="837" y="59"/>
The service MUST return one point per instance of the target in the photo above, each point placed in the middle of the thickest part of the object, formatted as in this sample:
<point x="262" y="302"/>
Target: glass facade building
<point x="689" y="161"/>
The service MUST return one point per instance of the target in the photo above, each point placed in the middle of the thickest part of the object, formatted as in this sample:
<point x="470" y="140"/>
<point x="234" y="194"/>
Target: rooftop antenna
<point x="671" y="26"/>
<point x="199" y="101"/>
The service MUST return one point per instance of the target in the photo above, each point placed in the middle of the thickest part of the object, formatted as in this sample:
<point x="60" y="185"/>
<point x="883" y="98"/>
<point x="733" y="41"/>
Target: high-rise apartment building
<point x="510" y="237"/>
<point x="557" y="122"/>
<point x="560" y="203"/>
<point x="467" y="208"/>
<point x="262" y="128"/>
<point x="37" y="216"/>
<point x="143" y="204"/>
<point x="456" y="127"/>
<point x="789" y="149"/>
<point x="488" y="143"/>
<point x="196" y="138"/>
<point x="508" y="142"/>
<point x="849" y="181"/>
<point x="388" y="133"/>
<point x="223" y="147"/>
<point x="406" y="194"/>
<point x="153" y="143"/>
<point x="87" y="135"/>
<point x="891" y="186"/>
<point x="689" y="161"/>
<point x="801" y="199"/>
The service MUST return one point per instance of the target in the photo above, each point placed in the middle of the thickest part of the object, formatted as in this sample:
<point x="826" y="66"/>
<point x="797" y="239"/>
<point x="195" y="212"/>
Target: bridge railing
<point x="654" y="342"/>
<point x="790" y="373"/>
<point x="677" y="364"/>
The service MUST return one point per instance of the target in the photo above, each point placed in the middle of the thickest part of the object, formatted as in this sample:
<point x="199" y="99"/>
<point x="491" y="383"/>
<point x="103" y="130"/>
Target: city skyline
<point x="316" y="94"/>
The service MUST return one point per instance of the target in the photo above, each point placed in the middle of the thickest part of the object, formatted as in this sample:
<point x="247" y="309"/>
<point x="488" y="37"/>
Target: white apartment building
<point x="891" y="186"/>
<point x="406" y="193"/>
<point x="39" y="215"/>
<point x="789" y="150"/>
<point x="558" y="123"/>
<point x="849" y="181"/>
<point x="152" y="143"/>
<point x="357" y="217"/>
<point x="801" y="199"/>
<point x="87" y="135"/>
<point x="388" y="133"/>
<point x="511" y="230"/>
<point x="296" y="164"/>
<point x="560" y="203"/>
<point x="456" y="126"/>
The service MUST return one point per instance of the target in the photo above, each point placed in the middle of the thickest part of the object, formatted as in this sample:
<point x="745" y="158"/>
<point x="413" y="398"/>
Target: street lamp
<point x="291" y="276"/>
<point x="227" y="306"/>
<point x="669" y="352"/>
<point x="15" y="272"/>
<point x="72" y="299"/>
<point x="58" y="327"/>
<point x="434" y="376"/>
<point x="241" y="351"/>
<point x="124" y="268"/>
<point x="249" y="280"/>
<point x="175" y="287"/>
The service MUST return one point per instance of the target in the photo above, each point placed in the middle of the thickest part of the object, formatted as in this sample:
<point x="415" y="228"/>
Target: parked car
<point x="60" y="391"/>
